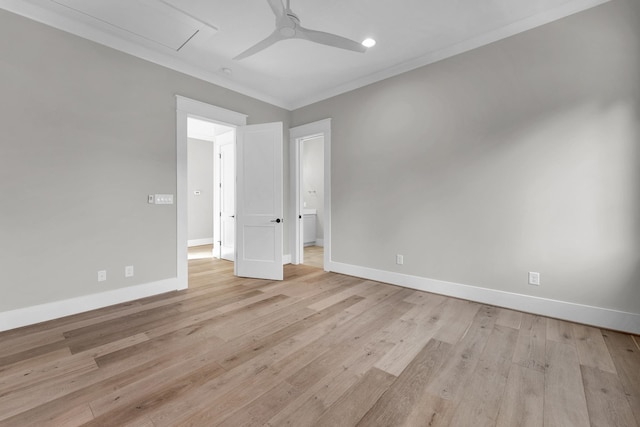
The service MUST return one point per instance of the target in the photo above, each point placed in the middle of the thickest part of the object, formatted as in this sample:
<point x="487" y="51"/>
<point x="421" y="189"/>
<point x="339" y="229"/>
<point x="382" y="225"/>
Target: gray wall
<point x="520" y="156"/>
<point x="87" y="133"/>
<point x="199" y="178"/>
<point x="313" y="180"/>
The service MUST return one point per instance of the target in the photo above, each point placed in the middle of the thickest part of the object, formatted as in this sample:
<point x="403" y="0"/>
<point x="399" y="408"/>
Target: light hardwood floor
<point x="314" y="256"/>
<point x="316" y="349"/>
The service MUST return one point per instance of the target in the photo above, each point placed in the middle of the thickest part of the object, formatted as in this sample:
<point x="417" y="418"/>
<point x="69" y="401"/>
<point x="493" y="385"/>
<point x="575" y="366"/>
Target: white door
<point x="259" y="205"/>
<point x="227" y="201"/>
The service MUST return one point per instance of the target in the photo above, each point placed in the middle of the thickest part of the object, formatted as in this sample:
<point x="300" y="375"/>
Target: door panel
<point x="227" y="201"/>
<point x="259" y="201"/>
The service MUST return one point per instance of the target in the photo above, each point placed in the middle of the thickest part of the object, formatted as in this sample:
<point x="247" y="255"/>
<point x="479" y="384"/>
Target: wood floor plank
<point x="68" y="392"/>
<point x="523" y="401"/>
<point x="626" y="356"/>
<point x="411" y="335"/>
<point x="564" y="398"/>
<point x="606" y="401"/>
<point x="592" y="350"/>
<point x="458" y="317"/>
<point x="408" y="391"/>
<point x="263" y="408"/>
<point x="360" y="332"/>
<point x="146" y="398"/>
<point x="14" y="400"/>
<point x="240" y="354"/>
<point x="450" y="382"/>
<point x="75" y="416"/>
<point x="243" y="322"/>
<point x="31" y="376"/>
<point x="357" y="400"/>
<point x="560" y="331"/>
<point x="530" y="349"/>
<point x="432" y="411"/>
<point x="476" y="406"/>
<point x="310" y="405"/>
<point x="20" y="365"/>
<point x="509" y="318"/>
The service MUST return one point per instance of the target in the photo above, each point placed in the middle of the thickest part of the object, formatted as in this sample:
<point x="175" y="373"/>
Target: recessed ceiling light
<point x="368" y="42"/>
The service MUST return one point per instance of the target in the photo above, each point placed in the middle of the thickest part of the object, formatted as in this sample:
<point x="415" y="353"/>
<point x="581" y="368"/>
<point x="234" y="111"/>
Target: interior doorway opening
<point x="210" y="188"/>
<point x="311" y="193"/>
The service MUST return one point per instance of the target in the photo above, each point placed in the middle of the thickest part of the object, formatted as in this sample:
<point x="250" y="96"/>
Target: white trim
<point x="210" y="112"/>
<point x="286" y="259"/>
<point x="200" y="242"/>
<point x="54" y="310"/>
<point x="182" y="269"/>
<point x="296" y="136"/>
<point x="596" y="316"/>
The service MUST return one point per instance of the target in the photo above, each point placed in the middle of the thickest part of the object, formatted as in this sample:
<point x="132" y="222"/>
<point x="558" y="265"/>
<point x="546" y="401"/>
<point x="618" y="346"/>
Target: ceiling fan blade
<point x="329" y="39"/>
<point x="274" y="37"/>
<point x="277" y="7"/>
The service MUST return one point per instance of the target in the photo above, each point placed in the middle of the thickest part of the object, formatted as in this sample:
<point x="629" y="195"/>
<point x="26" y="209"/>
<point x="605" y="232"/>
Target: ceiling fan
<point x="288" y="27"/>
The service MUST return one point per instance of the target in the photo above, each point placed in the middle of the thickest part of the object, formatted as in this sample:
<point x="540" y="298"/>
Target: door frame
<point x="187" y="107"/>
<point x="297" y="135"/>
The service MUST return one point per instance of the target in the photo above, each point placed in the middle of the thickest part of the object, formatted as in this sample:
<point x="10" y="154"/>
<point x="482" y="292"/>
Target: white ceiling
<point x="204" y="130"/>
<point x="199" y="37"/>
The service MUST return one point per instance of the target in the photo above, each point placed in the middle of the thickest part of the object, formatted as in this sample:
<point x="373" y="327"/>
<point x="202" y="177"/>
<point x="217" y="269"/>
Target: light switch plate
<point x="164" y="199"/>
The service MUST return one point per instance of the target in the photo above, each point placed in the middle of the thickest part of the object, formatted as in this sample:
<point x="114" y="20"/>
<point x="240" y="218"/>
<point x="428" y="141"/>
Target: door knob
<point x="277" y="220"/>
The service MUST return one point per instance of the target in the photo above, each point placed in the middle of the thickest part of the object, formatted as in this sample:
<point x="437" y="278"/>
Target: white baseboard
<point x="54" y="310"/>
<point x="286" y="259"/>
<point x="200" y="242"/>
<point x="596" y="316"/>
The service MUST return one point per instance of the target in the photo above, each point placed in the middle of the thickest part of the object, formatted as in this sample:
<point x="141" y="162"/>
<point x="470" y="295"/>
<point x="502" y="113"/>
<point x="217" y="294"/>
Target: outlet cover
<point x="128" y="271"/>
<point x="534" y="278"/>
<point x="102" y="275"/>
<point x="399" y="259"/>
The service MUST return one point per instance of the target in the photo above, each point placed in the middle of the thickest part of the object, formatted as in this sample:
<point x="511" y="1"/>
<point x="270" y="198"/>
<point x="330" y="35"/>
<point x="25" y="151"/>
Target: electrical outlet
<point x="534" y="278"/>
<point x="102" y="275"/>
<point x="399" y="259"/>
<point x="151" y="199"/>
<point x="128" y="271"/>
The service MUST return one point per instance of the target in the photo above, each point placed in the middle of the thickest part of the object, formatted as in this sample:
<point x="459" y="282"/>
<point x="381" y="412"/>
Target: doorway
<point x="311" y="193"/>
<point x="259" y="231"/>
<point x="190" y="108"/>
<point x="211" y="188"/>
